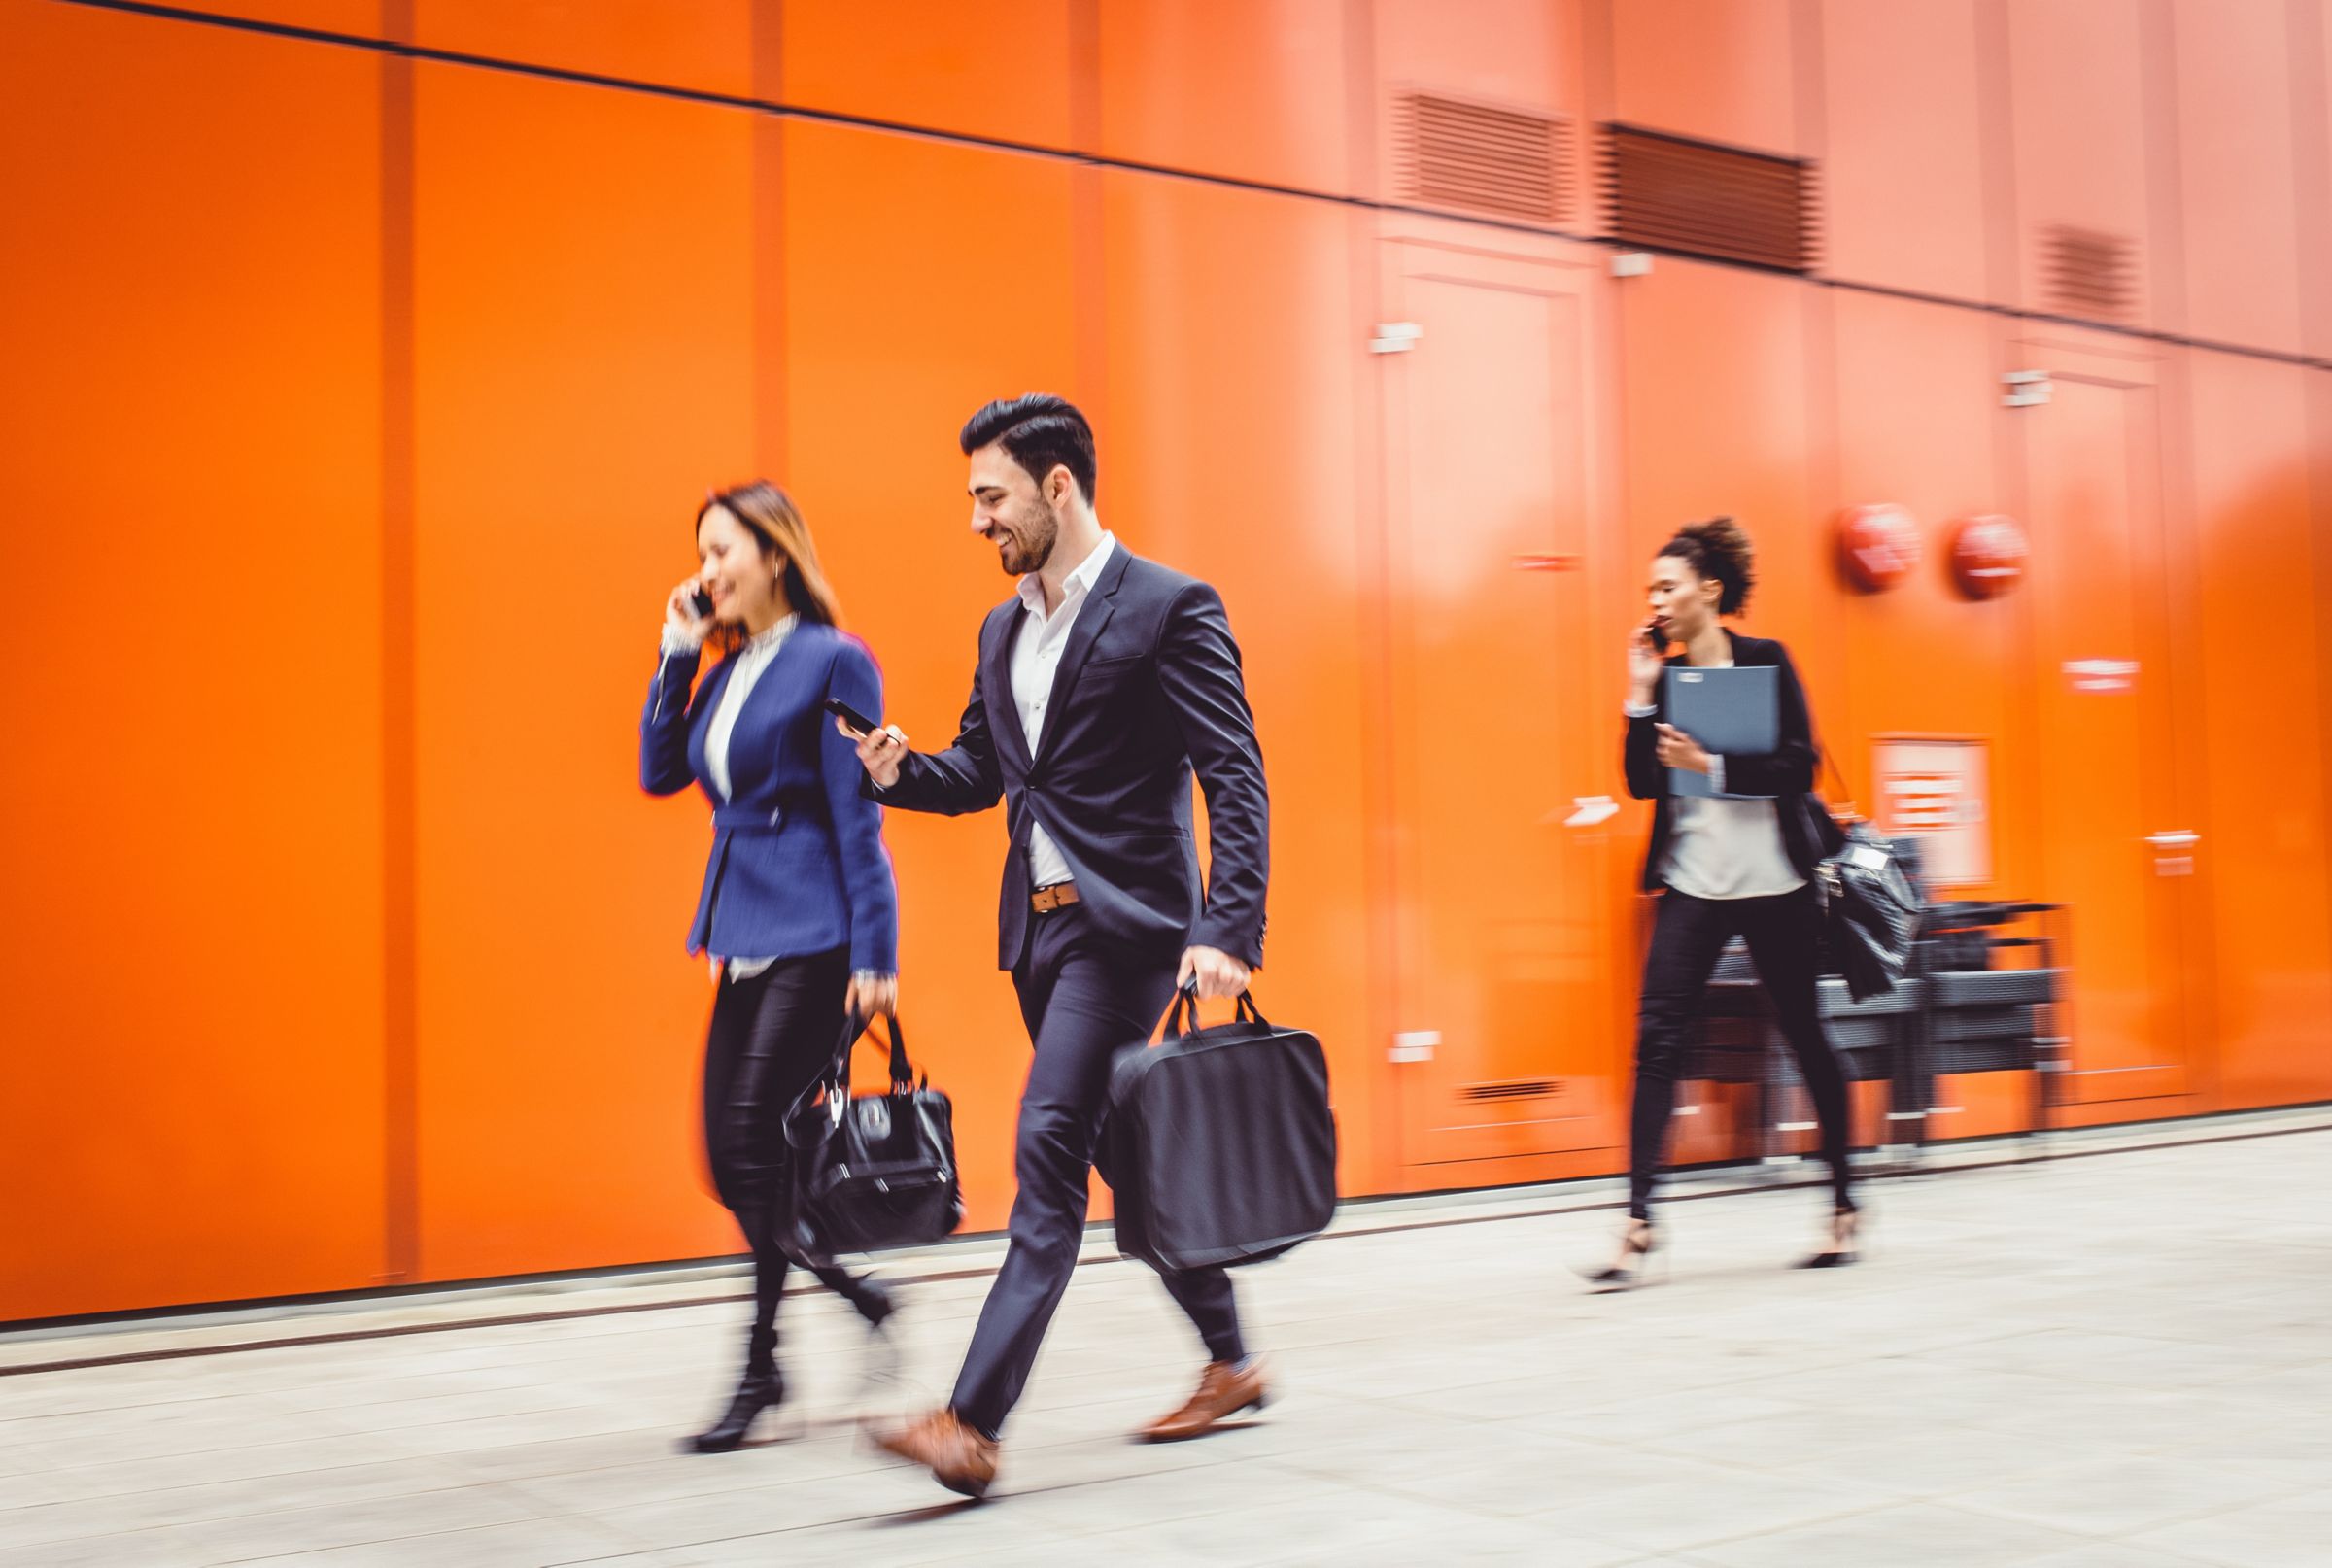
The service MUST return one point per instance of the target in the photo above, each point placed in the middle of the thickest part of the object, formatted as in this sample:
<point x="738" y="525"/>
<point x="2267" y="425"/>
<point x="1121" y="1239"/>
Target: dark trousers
<point x="1686" y="940"/>
<point x="1084" y="996"/>
<point x="773" y="1034"/>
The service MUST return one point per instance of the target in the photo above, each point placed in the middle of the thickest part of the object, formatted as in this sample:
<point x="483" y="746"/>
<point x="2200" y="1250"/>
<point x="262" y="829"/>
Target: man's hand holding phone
<point x="881" y="747"/>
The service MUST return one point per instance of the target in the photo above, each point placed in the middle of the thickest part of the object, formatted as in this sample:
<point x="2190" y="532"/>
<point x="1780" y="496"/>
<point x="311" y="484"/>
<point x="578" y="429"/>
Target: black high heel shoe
<point x="1843" y="1223"/>
<point x="758" y="1393"/>
<point x="1635" y="1247"/>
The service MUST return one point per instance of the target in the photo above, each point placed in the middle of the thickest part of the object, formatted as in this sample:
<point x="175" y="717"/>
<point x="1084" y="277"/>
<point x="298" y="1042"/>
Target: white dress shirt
<point x="751" y="660"/>
<point x="1036" y="660"/>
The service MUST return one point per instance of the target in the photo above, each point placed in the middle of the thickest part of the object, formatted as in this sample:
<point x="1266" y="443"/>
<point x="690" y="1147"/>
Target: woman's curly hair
<point x="1719" y="549"/>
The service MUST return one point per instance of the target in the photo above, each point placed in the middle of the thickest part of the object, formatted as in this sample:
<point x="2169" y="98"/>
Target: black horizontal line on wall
<point x="830" y="116"/>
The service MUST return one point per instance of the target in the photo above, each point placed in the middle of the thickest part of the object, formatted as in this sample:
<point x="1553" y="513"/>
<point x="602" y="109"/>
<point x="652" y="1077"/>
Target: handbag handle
<point x="836" y="1082"/>
<point x="1838" y="777"/>
<point x="903" y="1072"/>
<point x="1182" y="1013"/>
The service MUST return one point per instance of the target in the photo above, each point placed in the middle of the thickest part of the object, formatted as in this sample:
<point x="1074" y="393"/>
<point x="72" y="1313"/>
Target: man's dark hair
<point x="1039" y="431"/>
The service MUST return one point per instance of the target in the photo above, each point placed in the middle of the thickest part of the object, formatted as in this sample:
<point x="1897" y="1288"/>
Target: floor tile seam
<point x="1806" y="1523"/>
<point x="2124" y="1531"/>
<point x="1442" y="1221"/>
<point x="301" y="1554"/>
<point x="209" y="1520"/>
<point x="279" y="1475"/>
<point x="947" y="1509"/>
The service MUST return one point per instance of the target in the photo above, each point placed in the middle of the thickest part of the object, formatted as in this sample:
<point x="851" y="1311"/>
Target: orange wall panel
<point x="1273" y="277"/>
<point x="1915" y="430"/>
<point x="1253" y="90"/>
<point x="1902" y="194"/>
<point x="1720" y="69"/>
<point x="190" y="812"/>
<point x="2260" y="687"/>
<point x="1516" y="53"/>
<point x="922" y="281"/>
<point x="703" y="44"/>
<point x="2235" y="172"/>
<point x="583" y="354"/>
<point x="1521" y="52"/>
<point x="1715" y="398"/>
<point x="2079" y="108"/>
<point x="358" y="18"/>
<point x="1000" y="69"/>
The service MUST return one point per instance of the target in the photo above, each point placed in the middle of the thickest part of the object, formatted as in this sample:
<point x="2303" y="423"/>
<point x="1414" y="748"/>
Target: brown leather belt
<point x="1059" y="896"/>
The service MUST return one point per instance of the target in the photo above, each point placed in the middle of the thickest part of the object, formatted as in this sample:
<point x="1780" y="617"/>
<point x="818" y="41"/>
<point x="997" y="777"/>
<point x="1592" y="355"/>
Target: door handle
<point x="2176" y="839"/>
<point x="1591" y="809"/>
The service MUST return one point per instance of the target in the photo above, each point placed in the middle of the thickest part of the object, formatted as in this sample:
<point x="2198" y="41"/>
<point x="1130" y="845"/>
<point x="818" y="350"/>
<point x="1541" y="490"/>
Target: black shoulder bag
<point x="1870" y="902"/>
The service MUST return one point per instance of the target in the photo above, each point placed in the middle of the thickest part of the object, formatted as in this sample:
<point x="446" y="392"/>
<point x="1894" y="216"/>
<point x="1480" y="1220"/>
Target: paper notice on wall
<point x="1939" y="793"/>
<point x="2101" y="674"/>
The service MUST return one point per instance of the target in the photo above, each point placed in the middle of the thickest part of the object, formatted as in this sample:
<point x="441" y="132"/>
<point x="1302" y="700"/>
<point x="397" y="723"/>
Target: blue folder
<point x="1734" y="710"/>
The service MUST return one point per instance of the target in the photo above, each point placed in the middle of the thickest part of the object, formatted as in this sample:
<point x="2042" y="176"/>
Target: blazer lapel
<point x="1090" y="619"/>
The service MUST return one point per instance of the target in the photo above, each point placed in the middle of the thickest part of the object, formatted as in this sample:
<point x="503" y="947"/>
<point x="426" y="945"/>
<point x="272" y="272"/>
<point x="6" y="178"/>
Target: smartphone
<point x="851" y="716"/>
<point x="702" y="602"/>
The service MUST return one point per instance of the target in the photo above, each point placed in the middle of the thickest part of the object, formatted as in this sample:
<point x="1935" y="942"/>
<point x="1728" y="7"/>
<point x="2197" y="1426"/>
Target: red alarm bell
<point x="1878" y="546"/>
<point x="1987" y="555"/>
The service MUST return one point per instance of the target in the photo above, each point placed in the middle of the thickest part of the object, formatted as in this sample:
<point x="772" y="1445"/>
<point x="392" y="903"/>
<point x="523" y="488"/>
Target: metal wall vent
<point x="1708" y="199"/>
<point x="1511" y="1089"/>
<point x="1482" y="158"/>
<point x="2088" y="272"/>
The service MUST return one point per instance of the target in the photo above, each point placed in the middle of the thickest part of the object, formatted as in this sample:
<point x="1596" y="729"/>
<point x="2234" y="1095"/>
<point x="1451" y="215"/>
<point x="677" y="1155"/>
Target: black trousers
<point x="1084" y="996"/>
<point x="773" y="1034"/>
<point x="1686" y="940"/>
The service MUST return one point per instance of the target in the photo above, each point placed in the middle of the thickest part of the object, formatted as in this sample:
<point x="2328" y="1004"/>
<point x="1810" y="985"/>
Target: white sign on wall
<point x="1940" y="793"/>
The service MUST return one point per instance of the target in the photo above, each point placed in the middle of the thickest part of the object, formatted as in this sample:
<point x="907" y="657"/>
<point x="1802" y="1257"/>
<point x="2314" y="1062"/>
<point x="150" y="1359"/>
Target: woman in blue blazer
<point x="798" y="912"/>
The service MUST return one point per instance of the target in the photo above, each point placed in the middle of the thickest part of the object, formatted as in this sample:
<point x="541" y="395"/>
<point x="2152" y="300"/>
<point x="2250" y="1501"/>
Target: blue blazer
<point x="798" y="863"/>
<point x="1149" y="691"/>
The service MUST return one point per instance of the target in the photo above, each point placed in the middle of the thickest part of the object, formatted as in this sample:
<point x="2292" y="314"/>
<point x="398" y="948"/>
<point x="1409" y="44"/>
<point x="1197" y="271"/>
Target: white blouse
<point x="1727" y="847"/>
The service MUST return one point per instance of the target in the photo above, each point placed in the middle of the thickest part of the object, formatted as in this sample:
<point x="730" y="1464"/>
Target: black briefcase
<point x="1219" y="1142"/>
<point x="874" y="1169"/>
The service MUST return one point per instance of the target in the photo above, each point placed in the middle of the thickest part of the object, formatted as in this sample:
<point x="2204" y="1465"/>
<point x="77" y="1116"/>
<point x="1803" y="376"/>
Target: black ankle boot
<point x="759" y="1392"/>
<point x="874" y="1303"/>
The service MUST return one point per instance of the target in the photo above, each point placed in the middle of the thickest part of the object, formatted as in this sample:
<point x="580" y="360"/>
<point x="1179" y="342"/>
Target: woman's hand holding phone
<point x="688" y="615"/>
<point x="1647" y="656"/>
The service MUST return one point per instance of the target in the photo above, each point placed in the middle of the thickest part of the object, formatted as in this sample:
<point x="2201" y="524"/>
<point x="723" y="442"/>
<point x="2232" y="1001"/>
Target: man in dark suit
<point x="1103" y="683"/>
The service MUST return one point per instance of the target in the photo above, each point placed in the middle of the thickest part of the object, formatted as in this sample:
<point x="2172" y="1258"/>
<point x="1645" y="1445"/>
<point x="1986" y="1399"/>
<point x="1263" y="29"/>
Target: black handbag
<point x="1871" y="903"/>
<point x="1219" y="1142"/>
<point x="874" y="1169"/>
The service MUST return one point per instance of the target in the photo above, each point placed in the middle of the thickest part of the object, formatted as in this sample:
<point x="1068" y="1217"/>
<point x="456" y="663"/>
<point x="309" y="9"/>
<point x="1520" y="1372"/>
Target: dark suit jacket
<point x="1149" y="689"/>
<point x="1785" y="773"/>
<point x="798" y="865"/>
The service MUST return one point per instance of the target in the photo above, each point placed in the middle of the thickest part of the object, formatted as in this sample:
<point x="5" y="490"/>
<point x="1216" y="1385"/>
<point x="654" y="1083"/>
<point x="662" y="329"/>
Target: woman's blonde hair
<point x="770" y="515"/>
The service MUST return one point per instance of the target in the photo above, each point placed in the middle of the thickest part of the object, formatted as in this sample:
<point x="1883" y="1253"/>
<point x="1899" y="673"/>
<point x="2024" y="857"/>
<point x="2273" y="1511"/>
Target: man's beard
<point x="1034" y="546"/>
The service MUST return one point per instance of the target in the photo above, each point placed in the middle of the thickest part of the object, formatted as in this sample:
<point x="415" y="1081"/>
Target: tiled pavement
<point x="2101" y="1362"/>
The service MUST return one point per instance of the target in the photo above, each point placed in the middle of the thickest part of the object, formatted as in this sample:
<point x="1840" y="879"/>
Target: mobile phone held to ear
<point x="851" y="716"/>
<point x="702" y="602"/>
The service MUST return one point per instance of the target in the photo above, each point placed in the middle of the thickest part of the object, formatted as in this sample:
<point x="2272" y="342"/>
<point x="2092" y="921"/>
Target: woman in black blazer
<point x="1738" y="863"/>
<point x="797" y="908"/>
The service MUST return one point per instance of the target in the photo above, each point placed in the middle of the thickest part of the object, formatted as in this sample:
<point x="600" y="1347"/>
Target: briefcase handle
<point x="1182" y="1013"/>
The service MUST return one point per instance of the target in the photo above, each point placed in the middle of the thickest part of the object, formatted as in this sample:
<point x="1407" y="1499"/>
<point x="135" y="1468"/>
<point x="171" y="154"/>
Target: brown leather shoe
<point x="958" y="1457"/>
<point x="1223" y="1391"/>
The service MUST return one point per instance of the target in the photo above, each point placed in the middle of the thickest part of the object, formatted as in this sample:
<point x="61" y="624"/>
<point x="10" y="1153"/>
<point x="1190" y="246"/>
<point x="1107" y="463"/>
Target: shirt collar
<point x="767" y="640"/>
<point x="1077" y="584"/>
